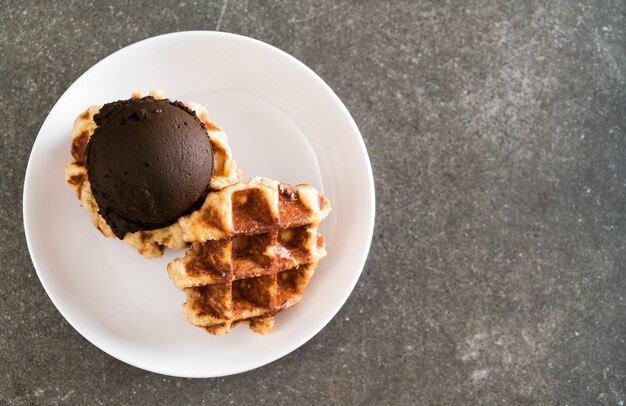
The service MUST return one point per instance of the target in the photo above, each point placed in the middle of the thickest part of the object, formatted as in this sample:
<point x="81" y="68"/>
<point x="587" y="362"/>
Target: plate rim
<point x="289" y="347"/>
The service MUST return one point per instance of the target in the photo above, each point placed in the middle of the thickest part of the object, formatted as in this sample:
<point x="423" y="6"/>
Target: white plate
<point x="283" y="122"/>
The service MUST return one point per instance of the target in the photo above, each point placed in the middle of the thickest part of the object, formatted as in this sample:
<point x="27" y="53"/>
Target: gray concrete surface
<point x="497" y="134"/>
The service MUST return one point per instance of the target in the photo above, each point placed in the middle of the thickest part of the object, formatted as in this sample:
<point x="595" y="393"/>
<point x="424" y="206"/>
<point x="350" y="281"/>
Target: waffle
<point x="149" y="243"/>
<point x="257" y="206"/>
<point x="256" y="245"/>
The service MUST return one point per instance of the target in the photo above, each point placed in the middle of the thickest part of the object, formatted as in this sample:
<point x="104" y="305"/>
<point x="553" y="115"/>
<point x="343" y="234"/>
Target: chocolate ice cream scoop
<point x="149" y="162"/>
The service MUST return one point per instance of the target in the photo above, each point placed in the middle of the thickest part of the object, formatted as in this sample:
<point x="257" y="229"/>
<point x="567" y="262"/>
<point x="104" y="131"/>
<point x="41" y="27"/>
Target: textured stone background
<point x="497" y="134"/>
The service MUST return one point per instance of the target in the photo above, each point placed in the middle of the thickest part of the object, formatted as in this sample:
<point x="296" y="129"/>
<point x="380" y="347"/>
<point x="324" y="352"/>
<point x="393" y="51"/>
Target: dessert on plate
<point x="255" y="245"/>
<point x="140" y="164"/>
<point x="157" y="173"/>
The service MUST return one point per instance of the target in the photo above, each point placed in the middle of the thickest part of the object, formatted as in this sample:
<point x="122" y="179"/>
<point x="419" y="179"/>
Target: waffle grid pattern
<point x="264" y="250"/>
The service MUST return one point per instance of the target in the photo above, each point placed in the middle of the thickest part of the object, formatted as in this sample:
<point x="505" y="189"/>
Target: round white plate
<point x="283" y="122"/>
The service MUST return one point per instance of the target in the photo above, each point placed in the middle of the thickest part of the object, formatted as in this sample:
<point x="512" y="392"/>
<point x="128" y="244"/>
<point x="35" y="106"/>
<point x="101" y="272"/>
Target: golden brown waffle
<point x="257" y="206"/>
<point x="266" y="250"/>
<point x="150" y="243"/>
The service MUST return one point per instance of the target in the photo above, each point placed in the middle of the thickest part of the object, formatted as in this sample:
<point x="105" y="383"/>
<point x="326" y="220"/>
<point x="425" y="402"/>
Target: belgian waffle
<point x="149" y="243"/>
<point x="255" y="247"/>
<point x="257" y="206"/>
